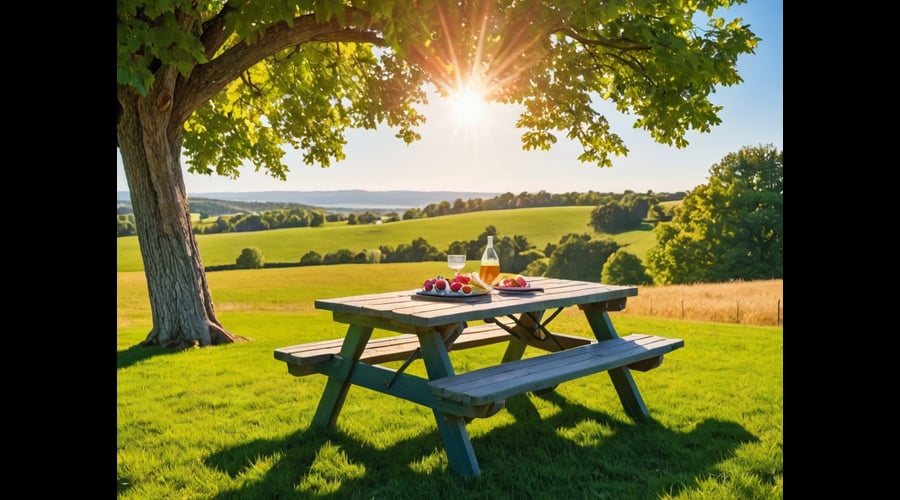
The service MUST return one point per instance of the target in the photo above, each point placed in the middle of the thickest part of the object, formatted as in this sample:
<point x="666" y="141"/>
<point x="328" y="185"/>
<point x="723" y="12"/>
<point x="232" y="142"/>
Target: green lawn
<point x="230" y="422"/>
<point x="540" y="225"/>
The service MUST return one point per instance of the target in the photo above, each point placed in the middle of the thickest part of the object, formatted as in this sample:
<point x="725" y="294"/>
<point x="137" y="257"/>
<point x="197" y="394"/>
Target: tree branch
<point x="208" y="79"/>
<point x="628" y="45"/>
<point x="214" y="33"/>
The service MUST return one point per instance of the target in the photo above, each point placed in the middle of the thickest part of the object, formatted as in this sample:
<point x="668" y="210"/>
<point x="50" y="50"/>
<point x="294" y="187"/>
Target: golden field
<point x="743" y="302"/>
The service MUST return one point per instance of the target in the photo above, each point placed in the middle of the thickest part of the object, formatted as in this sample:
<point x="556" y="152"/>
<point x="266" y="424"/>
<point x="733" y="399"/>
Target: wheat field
<point x="743" y="302"/>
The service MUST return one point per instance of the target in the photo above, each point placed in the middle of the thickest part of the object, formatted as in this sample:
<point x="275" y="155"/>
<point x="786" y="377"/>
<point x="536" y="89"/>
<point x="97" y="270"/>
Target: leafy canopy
<point x="256" y="76"/>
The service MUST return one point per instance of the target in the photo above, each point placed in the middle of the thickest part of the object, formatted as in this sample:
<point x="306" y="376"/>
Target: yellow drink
<point x="489" y="272"/>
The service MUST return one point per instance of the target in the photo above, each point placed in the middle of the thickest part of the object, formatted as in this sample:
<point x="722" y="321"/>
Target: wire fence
<point x="719" y="310"/>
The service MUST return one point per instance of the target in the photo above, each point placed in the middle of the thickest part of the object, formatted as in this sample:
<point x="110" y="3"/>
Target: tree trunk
<point x="180" y="301"/>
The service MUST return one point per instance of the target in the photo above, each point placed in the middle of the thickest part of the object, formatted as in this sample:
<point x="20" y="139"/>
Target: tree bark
<point x="180" y="301"/>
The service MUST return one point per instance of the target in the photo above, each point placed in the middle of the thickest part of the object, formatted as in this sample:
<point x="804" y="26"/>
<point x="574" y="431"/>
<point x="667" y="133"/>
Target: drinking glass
<point x="456" y="262"/>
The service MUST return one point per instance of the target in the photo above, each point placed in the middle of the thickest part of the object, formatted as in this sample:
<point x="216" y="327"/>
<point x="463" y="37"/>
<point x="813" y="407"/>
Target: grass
<point x="540" y="225"/>
<point x="230" y="422"/>
<point x="746" y="302"/>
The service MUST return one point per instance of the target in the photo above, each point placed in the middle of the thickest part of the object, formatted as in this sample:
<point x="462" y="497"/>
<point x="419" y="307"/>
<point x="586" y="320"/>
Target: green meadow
<point x="540" y="225"/>
<point x="229" y="422"/>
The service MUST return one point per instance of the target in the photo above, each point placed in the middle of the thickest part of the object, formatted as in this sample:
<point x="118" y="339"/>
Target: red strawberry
<point x="466" y="289"/>
<point x="428" y="285"/>
<point x="521" y="281"/>
<point x="455" y="286"/>
<point x="441" y="284"/>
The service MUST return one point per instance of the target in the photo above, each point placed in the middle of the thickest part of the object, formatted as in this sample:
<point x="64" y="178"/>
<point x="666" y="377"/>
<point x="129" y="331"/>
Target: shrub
<point x="373" y="256"/>
<point x="125" y="225"/>
<point x="579" y="257"/>
<point x="250" y="258"/>
<point x="311" y="258"/>
<point x="524" y="259"/>
<point x="342" y="256"/>
<point x="537" y="267"/>
<point x="624" y="268"/>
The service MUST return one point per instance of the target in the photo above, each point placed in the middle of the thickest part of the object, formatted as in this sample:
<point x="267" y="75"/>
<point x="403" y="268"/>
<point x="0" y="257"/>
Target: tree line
<point x="576" y="256"/>
<point x="615" y="212"/>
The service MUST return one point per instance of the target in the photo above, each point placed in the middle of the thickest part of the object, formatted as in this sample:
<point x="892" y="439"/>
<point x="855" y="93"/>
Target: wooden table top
<point x="406" y="307"/>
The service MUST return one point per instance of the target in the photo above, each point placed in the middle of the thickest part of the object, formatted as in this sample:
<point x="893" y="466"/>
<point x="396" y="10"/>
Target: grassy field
<point x="230" y="422"/>
<point x="745" y="302"/>
<point x="540" y="225"/>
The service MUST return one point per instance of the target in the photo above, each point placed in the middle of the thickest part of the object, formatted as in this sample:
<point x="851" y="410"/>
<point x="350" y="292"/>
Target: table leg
<point x="339" y="383"/>
<point x="454" y="434"/>
<point x="621" y="377"/>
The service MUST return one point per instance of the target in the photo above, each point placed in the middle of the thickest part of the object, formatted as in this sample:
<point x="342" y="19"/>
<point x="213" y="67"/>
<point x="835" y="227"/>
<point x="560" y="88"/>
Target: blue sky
<point x="487" y="156"/>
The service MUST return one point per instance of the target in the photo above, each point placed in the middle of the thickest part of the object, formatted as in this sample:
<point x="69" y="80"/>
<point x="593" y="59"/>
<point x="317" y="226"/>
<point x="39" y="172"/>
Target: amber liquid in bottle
<point x="488" y="273"/>
<point x="490" y="263"/>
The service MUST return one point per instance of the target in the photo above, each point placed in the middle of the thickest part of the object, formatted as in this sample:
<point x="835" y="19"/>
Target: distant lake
<point x="353" y="206"/>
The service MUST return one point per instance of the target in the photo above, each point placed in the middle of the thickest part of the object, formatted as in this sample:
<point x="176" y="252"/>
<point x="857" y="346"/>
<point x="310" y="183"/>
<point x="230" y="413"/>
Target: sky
<point x="486" y="155"/>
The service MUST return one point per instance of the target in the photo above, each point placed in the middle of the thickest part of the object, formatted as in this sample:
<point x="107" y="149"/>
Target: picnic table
<point x="428" y="328"/>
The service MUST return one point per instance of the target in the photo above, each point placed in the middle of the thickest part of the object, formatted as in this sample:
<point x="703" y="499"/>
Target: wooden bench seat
<point x="382" y="350"/>
<point x="486" y="386"/>
<point x="400" y="347"/>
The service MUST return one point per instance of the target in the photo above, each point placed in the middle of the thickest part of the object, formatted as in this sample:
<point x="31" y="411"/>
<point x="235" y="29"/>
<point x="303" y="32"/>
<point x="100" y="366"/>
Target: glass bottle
<point x="490" y="263"/>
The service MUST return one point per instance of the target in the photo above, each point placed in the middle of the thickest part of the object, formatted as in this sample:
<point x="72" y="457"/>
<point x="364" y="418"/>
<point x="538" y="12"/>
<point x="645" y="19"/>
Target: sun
<point x="469" y="105"/>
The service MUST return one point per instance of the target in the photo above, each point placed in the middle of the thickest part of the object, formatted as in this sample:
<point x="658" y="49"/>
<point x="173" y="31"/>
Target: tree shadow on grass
<point x="137" y="353"/>
<point x="531" y="458"/>
<point x="629" y="459"/>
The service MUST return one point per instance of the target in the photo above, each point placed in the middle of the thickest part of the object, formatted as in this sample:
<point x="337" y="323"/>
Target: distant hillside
<point x="541" y="226"/>
<point x="213" y="208"/>
<point x="350" y="198"/>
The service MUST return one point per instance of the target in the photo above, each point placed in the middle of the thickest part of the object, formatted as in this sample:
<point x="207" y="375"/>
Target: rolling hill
<point x="540" y="226"/>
